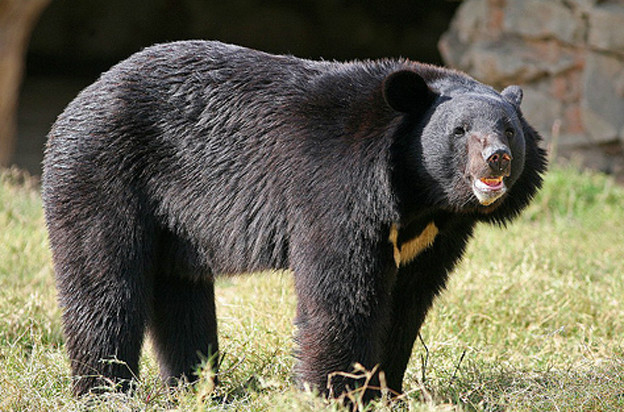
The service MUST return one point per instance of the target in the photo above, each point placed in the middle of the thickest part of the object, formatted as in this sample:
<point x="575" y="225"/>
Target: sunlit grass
<point x="532" y="319"/>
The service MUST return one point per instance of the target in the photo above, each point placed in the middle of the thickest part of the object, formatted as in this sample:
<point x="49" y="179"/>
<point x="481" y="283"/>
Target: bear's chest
<point x="410" y="243"/>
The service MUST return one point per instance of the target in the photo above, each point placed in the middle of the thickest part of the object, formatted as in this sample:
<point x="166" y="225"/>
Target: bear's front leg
<point x="417" y="283"/>
<point x="342" y="318"/>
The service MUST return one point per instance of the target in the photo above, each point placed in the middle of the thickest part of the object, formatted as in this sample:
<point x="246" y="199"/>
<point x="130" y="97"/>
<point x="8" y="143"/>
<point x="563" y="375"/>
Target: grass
<point x="532" y="320"/>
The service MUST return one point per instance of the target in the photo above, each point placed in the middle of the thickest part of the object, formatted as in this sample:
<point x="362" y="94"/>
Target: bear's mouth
<point x="492" y="183"/>
<point x="488" y="189"/>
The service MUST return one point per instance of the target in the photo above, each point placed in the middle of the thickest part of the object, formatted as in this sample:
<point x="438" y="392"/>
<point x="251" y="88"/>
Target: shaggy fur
<point x="194" y="159"/>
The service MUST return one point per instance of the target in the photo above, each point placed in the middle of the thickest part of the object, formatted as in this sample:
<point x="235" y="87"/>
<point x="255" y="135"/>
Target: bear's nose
<point x="500" y="161"/>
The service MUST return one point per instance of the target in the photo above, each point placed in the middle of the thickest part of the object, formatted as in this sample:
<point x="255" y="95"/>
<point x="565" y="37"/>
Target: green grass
<point x="533" y="319"/>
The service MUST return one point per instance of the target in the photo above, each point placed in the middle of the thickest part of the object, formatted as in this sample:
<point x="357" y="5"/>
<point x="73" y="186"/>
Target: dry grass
<point x="532" y="320"/>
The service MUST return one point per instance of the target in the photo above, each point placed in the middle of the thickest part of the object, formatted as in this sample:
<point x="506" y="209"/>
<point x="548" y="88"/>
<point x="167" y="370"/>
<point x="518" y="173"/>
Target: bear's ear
<point x="513" y="94"/>
<point x="405" y="91"/>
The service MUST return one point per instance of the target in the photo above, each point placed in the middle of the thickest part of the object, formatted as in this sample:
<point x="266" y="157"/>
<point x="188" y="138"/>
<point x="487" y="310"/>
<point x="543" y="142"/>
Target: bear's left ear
<point x="405" y="91"/>
<point x="513" y="94"/>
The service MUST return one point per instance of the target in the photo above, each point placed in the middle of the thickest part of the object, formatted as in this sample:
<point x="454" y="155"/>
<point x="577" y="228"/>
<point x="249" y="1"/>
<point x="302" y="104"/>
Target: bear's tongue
<point x="492" y="182"/>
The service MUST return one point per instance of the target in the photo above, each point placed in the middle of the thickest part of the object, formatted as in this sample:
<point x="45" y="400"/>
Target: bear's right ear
<point x="513" y="94"/>
<point x="406" y="92"/>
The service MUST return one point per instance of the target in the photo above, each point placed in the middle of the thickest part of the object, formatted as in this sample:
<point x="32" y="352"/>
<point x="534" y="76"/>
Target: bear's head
<point x="465" y="144"/>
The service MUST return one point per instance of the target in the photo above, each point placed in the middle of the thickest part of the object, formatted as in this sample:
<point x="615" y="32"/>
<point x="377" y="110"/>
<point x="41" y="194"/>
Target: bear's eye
<point x="459" y="131"/>
<point x="510" y="133"/>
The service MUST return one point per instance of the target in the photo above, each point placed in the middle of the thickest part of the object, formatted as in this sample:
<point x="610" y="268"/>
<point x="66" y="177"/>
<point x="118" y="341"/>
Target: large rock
<point x="541" y="19"/>
<point x="470" y="22"/>
<point x="508" y="60"/>
<point x="602" y="99"/>
<point x="567" y="54"/>
<point x="606" y="27"/>
<point x="541" y="108"/>
<point x="582" y="6"/>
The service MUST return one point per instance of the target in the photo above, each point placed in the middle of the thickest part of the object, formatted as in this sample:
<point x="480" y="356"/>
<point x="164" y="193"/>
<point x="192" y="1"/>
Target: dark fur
<point x="194" y="159"/>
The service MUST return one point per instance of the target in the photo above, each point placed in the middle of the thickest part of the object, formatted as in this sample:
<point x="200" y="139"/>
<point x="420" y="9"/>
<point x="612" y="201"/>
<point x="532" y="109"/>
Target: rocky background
<point x="568" y="55"/>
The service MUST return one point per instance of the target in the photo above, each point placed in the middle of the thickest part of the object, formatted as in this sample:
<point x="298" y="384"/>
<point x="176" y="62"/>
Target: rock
<point x="501" y="62"/>
<point x="451" y="49"/>
<point x="541" y="108"/>
<point x="540" y="19"/>
<point x="508" y="60"/>
<point x="606" y="27"/>
<point x="470" y="20"/>
<point x="602" y="102"/>
<point x="582" y="6"/>
<point x="568" y="56"/>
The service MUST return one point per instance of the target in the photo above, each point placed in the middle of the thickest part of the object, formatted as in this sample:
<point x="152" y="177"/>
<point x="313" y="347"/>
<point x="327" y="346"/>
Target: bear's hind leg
<point x="104" y="336"/>
<point x="105" y="307"/>
<point x="183" y="326"/>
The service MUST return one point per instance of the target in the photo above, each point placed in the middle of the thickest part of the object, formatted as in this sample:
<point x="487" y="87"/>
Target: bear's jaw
<point x="488" y="189"/>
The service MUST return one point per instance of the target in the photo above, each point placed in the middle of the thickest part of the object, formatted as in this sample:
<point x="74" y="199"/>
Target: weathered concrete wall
<point x="568" y="55"/>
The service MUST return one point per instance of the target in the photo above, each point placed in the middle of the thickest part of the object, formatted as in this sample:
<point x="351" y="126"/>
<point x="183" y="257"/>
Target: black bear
<point x="193" y="159"/>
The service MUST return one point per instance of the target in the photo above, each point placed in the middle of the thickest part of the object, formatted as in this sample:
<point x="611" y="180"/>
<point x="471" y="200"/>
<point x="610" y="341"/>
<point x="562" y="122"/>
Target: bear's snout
<point x="499" y="161"/>
<point x="489" y="163"/>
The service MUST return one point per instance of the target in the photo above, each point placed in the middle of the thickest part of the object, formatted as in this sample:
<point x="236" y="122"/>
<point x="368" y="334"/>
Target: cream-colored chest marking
<point x="407" y="251"/>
